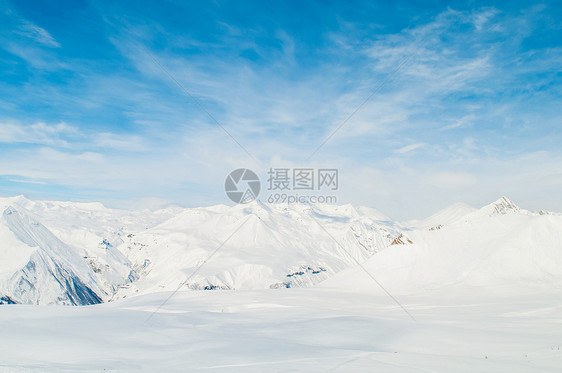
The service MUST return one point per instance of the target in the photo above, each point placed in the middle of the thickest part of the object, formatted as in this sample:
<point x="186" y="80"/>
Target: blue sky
<point x="473" y="114"/>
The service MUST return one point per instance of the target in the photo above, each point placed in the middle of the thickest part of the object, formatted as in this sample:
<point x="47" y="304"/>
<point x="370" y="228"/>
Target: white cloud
<point x="466" y="120"/>
<point x="38" y="133"/>
<point x="409" y="148"/>
<point x="452" y="179"/>
<point x="483" y="17"/>
<point x="38" y="34"/>
<point x="22" y="26"/>
<point x="27" y="181"/>
<point x="38" y="58"/>
<point x="62" y="135"/>
<point x="122" y="142"/>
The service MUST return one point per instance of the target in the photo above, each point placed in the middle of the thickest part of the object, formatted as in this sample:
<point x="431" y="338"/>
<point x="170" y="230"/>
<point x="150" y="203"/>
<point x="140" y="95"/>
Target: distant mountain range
<point x="83" y="253"/>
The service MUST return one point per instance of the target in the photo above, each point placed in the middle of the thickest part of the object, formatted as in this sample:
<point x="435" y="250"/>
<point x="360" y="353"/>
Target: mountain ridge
<point x="86" y="253"/>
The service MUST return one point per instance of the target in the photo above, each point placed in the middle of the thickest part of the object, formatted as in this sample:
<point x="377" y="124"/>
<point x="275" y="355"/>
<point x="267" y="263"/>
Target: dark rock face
<point x="6" y="300"/>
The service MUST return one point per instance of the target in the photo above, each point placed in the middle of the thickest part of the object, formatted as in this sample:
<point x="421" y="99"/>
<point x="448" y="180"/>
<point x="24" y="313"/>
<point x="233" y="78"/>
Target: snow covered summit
<point x="502" y="206"/>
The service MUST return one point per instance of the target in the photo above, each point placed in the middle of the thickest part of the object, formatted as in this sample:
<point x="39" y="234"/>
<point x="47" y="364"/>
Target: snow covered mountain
<point x="62" y="252"/>
<point x="84" y="253"/>
<point x="53" y="272"/>
<point x="500" y="246"/>
<point x="259" y="246"/>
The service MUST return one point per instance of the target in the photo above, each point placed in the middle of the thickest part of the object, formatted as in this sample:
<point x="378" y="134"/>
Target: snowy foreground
<point x="290" y="330"/>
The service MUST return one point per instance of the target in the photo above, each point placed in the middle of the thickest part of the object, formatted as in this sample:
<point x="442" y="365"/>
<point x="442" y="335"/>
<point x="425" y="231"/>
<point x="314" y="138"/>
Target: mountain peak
<point x="503" y="206"/>
<point x="16" y="200"/>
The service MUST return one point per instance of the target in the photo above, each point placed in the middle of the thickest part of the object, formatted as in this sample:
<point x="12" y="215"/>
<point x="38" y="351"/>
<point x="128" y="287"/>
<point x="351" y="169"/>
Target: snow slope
<point x="288" y="330"/>
<point x="446" y="216"/>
